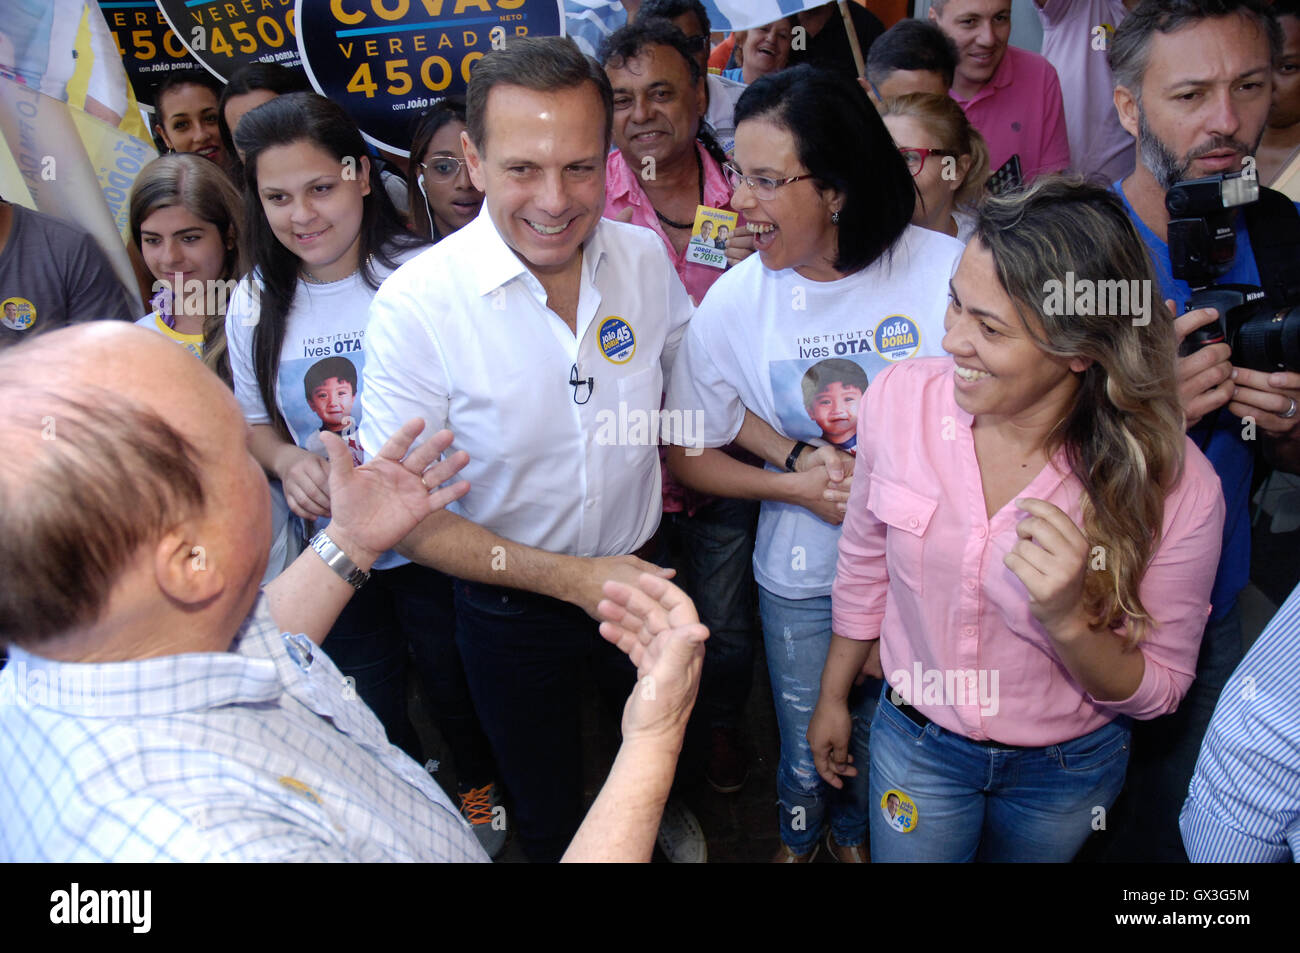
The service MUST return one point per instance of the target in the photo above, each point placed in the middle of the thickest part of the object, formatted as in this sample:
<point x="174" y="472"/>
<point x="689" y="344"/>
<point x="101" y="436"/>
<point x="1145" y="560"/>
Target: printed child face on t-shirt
<point x="835" y="410"/>
<point x="331" y="399"/>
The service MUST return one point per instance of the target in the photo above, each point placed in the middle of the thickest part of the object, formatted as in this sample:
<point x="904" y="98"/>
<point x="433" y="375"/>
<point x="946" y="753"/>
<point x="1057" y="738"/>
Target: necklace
<point x="311" y="279"/>
<point x="699" y="164"/>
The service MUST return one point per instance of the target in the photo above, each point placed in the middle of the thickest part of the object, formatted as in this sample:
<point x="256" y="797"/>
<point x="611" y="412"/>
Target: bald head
<point x="117" y="441"/>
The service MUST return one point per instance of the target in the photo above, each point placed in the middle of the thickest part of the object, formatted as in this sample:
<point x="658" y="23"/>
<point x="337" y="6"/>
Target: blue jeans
<point x="975" y="802"/>
<point x="797" y="634"/>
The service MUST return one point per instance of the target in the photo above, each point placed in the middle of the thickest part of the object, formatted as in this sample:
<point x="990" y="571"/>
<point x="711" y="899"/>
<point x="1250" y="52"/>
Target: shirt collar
<point x="168" y="684"/>
<point x="621" y="180"/>
<point x="495" y="263"/>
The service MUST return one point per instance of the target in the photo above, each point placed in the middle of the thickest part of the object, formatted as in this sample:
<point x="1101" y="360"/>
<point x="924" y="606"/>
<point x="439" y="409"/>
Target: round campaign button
<point x="899" y="810"/>
<point x="17" y="314"/>
<point x="617" y="342"/>
<point x="897" y="338"/>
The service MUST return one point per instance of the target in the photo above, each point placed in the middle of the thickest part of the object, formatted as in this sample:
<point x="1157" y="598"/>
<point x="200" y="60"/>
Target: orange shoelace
<point x="476" y="805"/>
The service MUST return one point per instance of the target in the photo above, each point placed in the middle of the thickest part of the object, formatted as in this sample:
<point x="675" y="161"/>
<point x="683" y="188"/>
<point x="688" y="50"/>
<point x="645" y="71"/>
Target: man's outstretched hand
<point x="656" y="624"/>
<point x="375" y="505"/>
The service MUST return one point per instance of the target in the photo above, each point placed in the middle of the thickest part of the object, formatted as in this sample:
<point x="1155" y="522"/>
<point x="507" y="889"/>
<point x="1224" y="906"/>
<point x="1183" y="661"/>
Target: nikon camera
<point x="1202" y="246"/>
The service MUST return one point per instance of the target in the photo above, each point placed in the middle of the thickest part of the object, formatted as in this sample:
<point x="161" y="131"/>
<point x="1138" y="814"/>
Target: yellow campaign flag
<point x="72" y="139"/>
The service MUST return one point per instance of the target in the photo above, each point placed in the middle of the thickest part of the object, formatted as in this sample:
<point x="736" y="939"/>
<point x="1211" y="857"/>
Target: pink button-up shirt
<point x="623" y="191"/>
<point x="1019" y="111"/>
<point x="920" y="567"/>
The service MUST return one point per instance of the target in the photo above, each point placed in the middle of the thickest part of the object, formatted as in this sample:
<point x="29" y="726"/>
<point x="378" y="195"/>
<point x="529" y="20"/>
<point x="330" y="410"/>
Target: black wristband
<point x="799" y="447"/>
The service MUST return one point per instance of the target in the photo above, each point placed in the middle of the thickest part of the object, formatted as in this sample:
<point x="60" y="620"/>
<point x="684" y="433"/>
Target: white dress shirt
<point x="461" y="336"/>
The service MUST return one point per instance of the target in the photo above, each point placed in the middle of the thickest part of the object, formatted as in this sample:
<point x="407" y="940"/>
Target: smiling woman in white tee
<point x="320" y="238"/>
<point x="842" y="288"/>
<point x="322" y="235"/>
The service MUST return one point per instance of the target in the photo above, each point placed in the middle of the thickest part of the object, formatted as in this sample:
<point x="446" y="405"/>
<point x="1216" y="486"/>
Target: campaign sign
<point x="385" y="61"/>
<point x="148" y="46"/>
<point x="224" y="35"/>
<point x="709" y="234"/>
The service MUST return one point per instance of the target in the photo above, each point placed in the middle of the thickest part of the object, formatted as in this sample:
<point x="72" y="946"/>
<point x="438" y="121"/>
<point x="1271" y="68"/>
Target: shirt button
<point x="970" y="585"/>
<point x="969" y="630"/>
<point x="914" y="522"/>
<point x="591" y="504"/>
<point x="981" y="532"/>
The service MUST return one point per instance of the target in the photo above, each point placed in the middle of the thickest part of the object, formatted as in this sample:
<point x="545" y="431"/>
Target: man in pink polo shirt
<point x="665" y="166"/>
<point x="661" y="169"/>
<point x="1012" y="96"/>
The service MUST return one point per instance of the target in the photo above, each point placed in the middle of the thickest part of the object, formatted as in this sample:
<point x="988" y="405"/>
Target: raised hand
<point x="656" y="624"/>
<point x="378" y="503"/>
<point x="1050" y="558"/>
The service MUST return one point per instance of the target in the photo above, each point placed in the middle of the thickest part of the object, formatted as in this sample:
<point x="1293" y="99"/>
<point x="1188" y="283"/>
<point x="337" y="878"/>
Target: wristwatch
<point x="799" y="447"/>
<point x="338" y="561"/>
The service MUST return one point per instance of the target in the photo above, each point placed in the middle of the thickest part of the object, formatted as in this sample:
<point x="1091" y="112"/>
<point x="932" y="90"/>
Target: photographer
<point x="1193" y="81"/>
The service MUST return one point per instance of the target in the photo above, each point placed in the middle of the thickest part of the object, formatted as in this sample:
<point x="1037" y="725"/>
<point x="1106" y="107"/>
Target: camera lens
<point x="1269" y="341"/>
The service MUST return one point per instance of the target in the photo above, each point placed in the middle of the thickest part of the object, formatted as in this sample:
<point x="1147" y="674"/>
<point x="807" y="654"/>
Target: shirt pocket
<point x="907" y="514"/>
<point x="637" y="416"/>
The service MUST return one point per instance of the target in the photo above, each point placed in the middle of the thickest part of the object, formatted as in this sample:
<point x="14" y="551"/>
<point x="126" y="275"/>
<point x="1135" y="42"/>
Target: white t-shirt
<point x="772" y="342"/>
<point x="323" y="345"/>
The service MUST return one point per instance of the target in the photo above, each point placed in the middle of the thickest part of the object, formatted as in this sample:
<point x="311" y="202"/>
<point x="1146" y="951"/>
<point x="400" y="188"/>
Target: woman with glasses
<point x="442" y="198"/>
<point x="947" y="157"/>
<point x="1035" y="575"/>
<point x="841" y="288"/>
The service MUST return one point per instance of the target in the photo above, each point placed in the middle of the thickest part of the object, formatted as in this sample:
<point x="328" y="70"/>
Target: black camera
<point x="1202" y="246"/>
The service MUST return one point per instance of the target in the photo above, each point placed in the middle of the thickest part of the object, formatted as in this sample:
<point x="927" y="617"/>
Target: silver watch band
<point x="338" y="561"/>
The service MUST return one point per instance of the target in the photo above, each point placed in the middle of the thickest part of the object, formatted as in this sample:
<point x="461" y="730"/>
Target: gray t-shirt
<point x="53" y="274"/>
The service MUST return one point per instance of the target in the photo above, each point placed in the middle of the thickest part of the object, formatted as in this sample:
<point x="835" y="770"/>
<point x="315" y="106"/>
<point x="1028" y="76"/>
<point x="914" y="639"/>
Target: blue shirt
<point x="1219" y="434"/>
<point x="1244" y="800"/>
<point x="262" y="753"/>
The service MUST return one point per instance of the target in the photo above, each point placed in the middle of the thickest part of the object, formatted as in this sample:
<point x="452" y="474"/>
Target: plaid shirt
<point x="262" y="753"/>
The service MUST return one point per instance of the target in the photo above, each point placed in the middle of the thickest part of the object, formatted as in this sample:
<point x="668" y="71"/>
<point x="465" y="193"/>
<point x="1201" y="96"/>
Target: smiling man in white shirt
<point x="544" y="333"/>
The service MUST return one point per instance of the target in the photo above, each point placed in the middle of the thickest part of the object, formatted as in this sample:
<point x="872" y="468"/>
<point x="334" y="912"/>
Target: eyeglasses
<point x="442" y="168"/>
<point x="915" y="158"/>
<point x="760" y="185"/>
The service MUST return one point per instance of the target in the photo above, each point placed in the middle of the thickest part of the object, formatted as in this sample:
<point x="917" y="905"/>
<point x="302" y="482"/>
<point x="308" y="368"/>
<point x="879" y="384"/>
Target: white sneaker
<point x="680" y="836"/>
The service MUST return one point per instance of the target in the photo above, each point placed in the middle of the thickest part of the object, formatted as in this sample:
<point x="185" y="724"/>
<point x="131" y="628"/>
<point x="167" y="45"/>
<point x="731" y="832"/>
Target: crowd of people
<point x="533" y="418"/>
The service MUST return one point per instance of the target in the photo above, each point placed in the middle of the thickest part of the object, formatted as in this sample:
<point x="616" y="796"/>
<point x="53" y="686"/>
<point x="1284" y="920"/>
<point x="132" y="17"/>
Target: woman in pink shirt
<point x="1029" y="545"/>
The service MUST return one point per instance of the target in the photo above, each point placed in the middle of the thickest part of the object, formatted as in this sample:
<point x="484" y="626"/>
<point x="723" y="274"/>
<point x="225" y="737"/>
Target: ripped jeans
<point x="797" y="634"/>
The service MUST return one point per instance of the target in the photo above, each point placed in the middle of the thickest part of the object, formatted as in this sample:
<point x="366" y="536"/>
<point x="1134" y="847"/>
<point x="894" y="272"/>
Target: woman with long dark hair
<point x="322" y="234"/>
<point x="186" y="219"/>
<point x="440" y="196"/>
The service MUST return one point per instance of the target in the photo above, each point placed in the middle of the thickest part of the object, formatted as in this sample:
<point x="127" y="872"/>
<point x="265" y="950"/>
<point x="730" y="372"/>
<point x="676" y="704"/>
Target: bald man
<point x="158" y="706"/>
